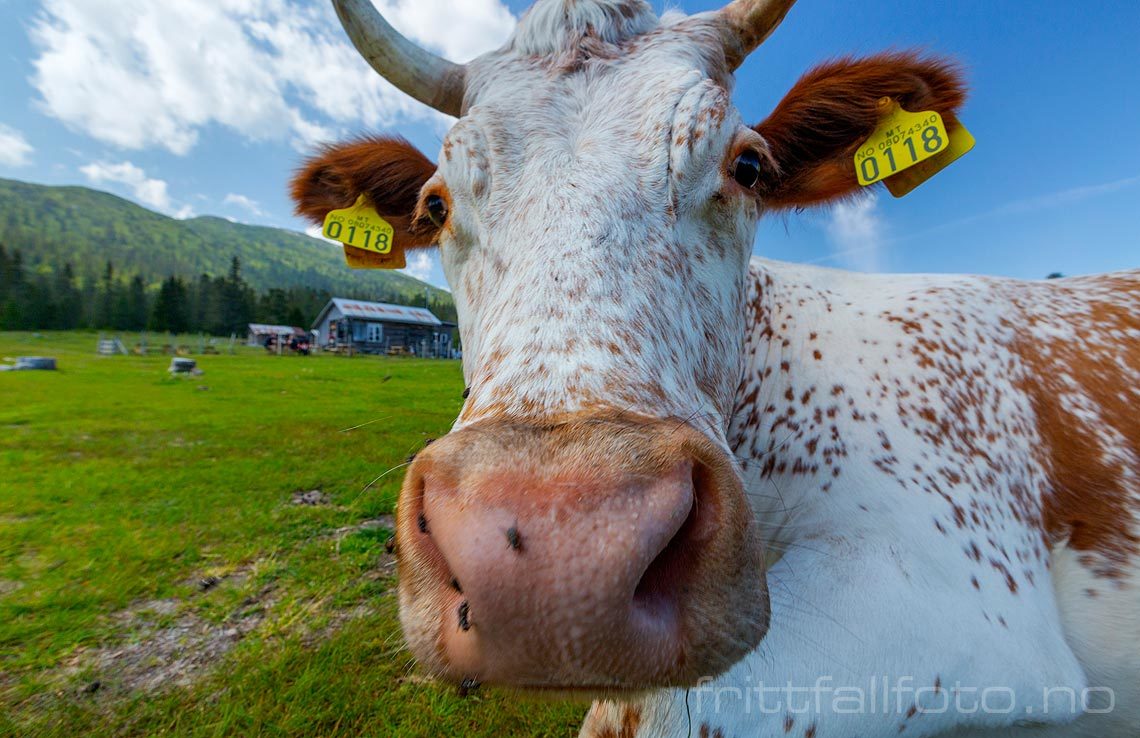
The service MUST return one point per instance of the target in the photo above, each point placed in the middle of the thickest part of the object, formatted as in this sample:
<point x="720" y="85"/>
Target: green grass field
<point x="157" y="576"/>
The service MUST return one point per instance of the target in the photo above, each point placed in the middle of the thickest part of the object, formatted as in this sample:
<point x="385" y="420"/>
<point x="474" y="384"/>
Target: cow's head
<point x="584" y="524"/>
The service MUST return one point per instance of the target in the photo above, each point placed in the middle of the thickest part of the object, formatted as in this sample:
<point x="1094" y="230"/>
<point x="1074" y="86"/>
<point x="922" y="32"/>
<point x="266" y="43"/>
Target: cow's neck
<point x="799" y="429"/>
<point x="771" y="419"/>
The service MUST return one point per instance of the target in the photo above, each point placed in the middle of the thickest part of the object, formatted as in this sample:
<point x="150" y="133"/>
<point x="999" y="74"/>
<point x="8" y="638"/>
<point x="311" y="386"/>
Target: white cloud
<point x="419" y="266"/>
<point x="146" y="190"/>
<point x="15" y="151"/>
<point x="460" y="31"/>
<point x="857" y="234"/>
<point x="244" y="202"/>
<point x="318" y="232"/>
<point x="1065" y="197"/>
<point x="138" y="73"/>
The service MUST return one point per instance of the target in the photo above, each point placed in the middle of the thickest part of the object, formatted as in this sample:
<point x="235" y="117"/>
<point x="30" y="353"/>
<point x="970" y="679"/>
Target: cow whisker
<point x="815" y="611"/>
<point x="785" y="546"/>
<point x="370" y="422"/>
<point x="377" y="479"/>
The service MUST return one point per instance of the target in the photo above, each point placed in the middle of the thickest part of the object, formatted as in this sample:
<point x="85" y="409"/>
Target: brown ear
<point x="815" y="130"/>
<point x="387" y="169"/>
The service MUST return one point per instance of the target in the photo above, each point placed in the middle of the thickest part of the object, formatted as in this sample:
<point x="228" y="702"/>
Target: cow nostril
<point x="663" y="583"/>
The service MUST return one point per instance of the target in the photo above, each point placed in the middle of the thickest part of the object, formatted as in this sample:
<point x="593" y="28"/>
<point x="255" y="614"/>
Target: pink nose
<point x="565" y="566"/>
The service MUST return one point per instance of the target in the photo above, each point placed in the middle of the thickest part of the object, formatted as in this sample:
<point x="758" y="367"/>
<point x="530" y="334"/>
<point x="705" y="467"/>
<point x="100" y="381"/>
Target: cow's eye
<point x="746" y="169"/>
<point x="437" y="210"/>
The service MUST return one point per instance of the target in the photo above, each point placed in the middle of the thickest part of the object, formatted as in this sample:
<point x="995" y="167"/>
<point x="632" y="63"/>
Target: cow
<point x="725" y="496"/>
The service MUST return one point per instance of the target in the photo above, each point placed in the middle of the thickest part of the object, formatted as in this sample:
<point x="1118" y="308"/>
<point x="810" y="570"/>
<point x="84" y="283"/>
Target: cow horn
<point x="428" y="78"/>
<point x="748" y="23"/>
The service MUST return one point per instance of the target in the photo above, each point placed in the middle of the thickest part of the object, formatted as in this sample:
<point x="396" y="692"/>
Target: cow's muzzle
<point x="592" y="553"/>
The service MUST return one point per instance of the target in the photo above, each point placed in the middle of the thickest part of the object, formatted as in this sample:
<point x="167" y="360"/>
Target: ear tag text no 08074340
<point x="909" y="148"/>
<point x="369" y="240"/>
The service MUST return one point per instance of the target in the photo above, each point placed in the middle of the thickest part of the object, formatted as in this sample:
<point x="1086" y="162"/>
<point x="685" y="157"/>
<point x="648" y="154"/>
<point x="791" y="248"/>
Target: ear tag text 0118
<point x="909" y="148"/>
<point x="369" y="240"/>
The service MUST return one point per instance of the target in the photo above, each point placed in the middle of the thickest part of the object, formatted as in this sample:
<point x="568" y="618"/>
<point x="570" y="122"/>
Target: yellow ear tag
<point x="361" y="259"/>
<point x="907" y="140"/>
<point x="369" y="240"/>
<point x="961" y="143"/>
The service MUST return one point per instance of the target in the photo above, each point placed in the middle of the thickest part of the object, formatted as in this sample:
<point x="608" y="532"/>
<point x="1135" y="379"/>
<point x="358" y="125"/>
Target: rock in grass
<point x="30" y="363"/>
<point x="312" y="497"/>
<point x="180" y="365"/>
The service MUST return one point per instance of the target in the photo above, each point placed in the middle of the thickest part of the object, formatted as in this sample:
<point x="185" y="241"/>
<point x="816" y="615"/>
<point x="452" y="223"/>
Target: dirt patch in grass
<point x="166" y="646"/>
<point x="9" y="585"/>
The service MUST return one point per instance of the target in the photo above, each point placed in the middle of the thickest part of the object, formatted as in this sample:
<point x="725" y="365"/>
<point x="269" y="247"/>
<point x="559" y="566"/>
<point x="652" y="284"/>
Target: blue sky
<point x="197" y="107"/>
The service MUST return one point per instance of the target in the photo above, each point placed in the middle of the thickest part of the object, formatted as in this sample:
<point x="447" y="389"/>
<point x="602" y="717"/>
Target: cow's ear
<point x="815" y="130"/>
<point x="389" y="171"/>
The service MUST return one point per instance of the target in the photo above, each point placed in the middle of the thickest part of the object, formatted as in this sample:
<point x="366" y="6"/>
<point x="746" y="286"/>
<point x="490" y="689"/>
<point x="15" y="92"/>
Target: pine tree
<point x="137" y="309"/>
<point x="67" y="298"/>
<point x="12" y="307"/>
<point x="105" y="316"/>
<point x="170" y="308"/>
<point x="120" y="317"/>
<point x="206" y="312"/>
<point x="16" y="271"/>
<point x="39" y="310"/>
<point x="296" y="318"/>
<point x="5" y="275"/>
<point x="273" y="307"/>
<point x="237" y="301"/>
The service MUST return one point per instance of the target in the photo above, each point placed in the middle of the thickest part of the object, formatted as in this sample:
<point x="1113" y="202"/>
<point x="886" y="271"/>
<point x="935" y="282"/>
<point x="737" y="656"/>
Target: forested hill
<point x="51" y="226"/>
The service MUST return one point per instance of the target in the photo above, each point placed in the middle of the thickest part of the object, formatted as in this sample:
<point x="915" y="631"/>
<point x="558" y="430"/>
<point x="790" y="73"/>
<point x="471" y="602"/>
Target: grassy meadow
<point x="204" y="556"/>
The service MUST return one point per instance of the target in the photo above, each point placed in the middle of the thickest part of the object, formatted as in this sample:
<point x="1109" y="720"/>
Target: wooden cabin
<point x="381" y="328"/>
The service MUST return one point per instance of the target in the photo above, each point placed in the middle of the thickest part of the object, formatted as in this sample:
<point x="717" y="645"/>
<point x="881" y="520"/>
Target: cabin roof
<point x="380" y="312"/>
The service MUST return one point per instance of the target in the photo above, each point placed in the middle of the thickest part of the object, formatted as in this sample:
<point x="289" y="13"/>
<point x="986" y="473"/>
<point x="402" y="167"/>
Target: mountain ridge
<point x="55" y="224"/>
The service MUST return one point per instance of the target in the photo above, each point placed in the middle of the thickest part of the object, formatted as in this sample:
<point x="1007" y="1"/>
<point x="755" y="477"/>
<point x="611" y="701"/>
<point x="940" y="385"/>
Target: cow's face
<point x="597" y="259"/>
<point x="584" y="525"/>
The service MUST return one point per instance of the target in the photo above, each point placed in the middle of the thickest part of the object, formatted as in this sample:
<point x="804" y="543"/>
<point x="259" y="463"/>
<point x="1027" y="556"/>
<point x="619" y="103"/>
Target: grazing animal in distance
<point x="757" y="498"/>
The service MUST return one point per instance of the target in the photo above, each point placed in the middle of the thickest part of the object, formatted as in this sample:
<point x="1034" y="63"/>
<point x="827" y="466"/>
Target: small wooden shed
<point x="259" y="333"/>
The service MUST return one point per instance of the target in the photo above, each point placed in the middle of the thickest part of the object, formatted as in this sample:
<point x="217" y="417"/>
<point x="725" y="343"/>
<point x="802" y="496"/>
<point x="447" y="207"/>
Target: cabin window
<point x="375" y="333"/>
